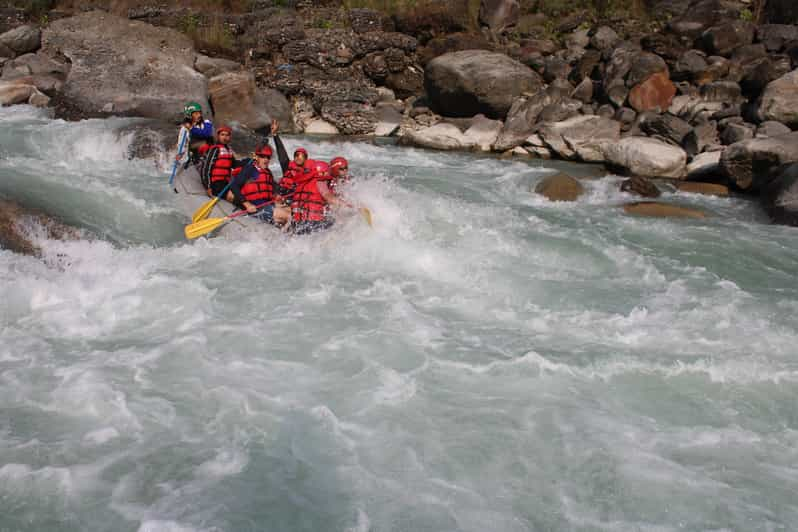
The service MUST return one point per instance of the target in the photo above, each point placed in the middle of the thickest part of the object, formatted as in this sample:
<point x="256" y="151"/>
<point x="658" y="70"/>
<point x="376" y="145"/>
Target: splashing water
<point x="481" y="359"/>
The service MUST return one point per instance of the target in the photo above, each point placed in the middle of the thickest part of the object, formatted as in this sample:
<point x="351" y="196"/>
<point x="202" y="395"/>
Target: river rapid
<point x="479" y="360"/>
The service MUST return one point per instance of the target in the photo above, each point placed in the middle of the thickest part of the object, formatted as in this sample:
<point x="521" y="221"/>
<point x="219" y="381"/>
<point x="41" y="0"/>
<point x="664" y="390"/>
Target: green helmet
<point x="192" y="107"/>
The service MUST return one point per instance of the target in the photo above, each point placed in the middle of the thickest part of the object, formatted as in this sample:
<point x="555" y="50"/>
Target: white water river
<point x="480" y="360"/>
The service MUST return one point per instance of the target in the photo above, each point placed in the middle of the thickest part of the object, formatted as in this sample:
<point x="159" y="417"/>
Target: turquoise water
<point x="481" y="359"/>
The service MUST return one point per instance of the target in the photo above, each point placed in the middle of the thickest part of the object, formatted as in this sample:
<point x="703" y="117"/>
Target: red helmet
<point x="224" y="128"/>
<point x="302" y="151"/>
<point x="338" y="164"/>
<point x="265" y="151"/>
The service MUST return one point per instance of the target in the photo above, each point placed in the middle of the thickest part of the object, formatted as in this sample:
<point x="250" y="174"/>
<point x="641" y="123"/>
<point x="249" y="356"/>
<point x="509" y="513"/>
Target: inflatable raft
<point x="192" y="196"/>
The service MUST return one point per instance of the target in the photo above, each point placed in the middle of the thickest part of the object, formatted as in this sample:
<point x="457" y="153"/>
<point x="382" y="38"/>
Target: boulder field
<point x="702" y="96"/>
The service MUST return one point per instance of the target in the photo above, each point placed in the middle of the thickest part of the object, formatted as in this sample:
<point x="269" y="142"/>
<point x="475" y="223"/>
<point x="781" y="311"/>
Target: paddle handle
<point x="179" y="154"/>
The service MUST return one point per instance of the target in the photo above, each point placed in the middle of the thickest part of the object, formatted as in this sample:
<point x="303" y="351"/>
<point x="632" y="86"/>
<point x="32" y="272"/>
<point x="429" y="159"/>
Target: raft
<point x="192" y="196"/>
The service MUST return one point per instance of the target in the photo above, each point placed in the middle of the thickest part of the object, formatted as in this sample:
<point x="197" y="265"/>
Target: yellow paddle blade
<point x="203" y="227"/>
<point x="366" y="215"/>
<point x="204" y="211"/>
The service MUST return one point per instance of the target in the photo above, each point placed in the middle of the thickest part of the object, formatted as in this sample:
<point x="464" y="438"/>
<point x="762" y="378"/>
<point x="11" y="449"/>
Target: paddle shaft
<point x="179" y="154"/>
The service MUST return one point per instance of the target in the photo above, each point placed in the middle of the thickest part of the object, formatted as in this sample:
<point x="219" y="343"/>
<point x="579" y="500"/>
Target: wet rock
<point x="388" y="121"/>
<point x="22" y="40"/>
<point x="724" y="38"/>
<point x="640" y="186"/>
<point x="14" y="236"/>
<point x="475" y="81"/>
<point x="646" y="157"/>
<point x="771" y="129"/>
<point x="667" y="126"/>
<point x="706" y="189"/>
<point x="655" y="93"/>
<point x="780" y="197"/>
<point x="499" y="15"/>
<point x="662" y="210"/>
<point x="581" y="137"/>
<point x="604" y="38"/>
<point x="704" y="165"/>
<point x="212" y="66"/>
<point x="779" y="100"/>
<point x="560" y="187"/>
<point x="125" y="67"/>
<point x="749" y="164"/>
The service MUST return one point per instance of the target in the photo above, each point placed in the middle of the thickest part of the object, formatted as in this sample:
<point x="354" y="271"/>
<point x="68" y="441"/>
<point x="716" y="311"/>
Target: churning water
<point x="480" y="360"/>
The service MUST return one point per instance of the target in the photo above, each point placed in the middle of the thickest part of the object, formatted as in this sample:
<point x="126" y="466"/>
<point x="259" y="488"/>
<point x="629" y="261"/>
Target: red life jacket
<point x="295" y="174"/>
<point x="223" y="165"/>
<point x="308" y="203"/>
<point x="260" y="189"/>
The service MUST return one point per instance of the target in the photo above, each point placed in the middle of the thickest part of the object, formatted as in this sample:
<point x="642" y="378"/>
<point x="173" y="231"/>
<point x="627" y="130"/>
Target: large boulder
<point x="724" y="38"/>
<point x="658" y="209"/>
<point x="47" y="74"/>
<point x="442" y="136"/>
<point x="213" y="66"/>
<point x="581" y="138"/>
<point x="499" y="14"/>
<point x="470" y="82"/>
<point x="646" y="157"/>
<point x="704" y="166"/>
<point x="780" y="197"/>
<point x="560" y="187"/>
<point x="125" y="67"/>
<point x="640" y="186"/>
<point x="749" y="164"/>
<point x="237" y="100"/>
<point x="655" y="93"/>
<point x="22" y="40"/>
<point x="779" y="100"/>
<point x="666" y="126"/>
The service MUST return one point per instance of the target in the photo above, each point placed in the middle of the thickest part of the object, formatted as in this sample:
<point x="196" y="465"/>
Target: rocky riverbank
<point x="703" y="94"/>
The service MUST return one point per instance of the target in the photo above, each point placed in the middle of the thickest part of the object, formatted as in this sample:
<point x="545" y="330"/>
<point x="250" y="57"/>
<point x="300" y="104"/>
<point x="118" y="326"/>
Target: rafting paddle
<point x="206" y="209"/>
<point x="183" y="136"/>
<point x="366" y="213"/>
<point x="203" y="227"/>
